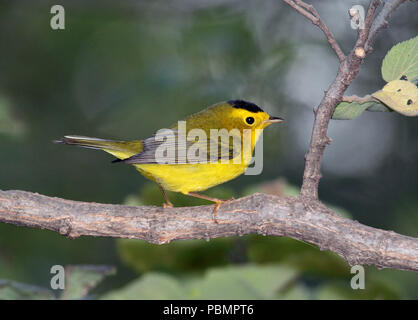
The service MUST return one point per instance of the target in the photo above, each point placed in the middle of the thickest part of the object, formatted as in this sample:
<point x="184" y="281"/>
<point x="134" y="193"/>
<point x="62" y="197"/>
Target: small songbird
<point x="175" y="169"/>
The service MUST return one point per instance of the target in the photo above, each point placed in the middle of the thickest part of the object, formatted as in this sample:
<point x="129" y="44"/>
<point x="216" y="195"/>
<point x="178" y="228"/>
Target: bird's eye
<point x="249" y="120"/>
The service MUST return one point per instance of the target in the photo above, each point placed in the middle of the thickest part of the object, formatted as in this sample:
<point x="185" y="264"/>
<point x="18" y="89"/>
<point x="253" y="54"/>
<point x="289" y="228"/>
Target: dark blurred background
<point x="125" y="69"/>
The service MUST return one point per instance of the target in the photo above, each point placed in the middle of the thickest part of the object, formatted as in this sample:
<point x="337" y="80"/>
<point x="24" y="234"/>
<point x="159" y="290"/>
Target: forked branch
<point x="310" y="12"/>
<point x="303" y="218"/>
<point x="347" y="72"/>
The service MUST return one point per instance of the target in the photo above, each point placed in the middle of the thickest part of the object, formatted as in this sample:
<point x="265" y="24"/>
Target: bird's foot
<point x="167" y="205"/>
<point x="217" y="205"/>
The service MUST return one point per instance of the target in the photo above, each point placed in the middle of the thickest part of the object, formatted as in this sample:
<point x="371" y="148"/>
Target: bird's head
<point x="232" y="114"/>
<point x="247" y="115"/>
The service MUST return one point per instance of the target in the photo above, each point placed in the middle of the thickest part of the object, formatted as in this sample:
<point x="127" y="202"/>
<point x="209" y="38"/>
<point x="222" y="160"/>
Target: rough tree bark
<point x="259" y="213"/>
<point x="302" y="217"/>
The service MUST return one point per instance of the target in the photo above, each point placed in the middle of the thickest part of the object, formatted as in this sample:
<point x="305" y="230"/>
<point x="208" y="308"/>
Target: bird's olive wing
<point x="170" y="147"/>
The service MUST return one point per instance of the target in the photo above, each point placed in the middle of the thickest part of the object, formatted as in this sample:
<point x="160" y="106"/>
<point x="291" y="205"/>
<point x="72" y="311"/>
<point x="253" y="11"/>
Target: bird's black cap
<point x="241" y="104"/>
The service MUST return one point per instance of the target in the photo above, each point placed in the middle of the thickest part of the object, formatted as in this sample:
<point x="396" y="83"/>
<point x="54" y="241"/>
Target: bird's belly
<point x="190" y="177"/>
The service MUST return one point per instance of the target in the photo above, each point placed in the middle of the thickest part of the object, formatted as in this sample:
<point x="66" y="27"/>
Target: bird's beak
<point x="273" y="120"/>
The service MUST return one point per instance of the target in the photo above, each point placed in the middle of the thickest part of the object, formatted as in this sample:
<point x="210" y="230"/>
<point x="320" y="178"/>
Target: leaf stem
<point x="354" y="98"/>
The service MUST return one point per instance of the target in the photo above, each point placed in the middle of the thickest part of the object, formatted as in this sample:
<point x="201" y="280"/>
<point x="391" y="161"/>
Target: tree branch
<point x="263" y="214"/>
<point x="310" y="12"/>
<point x="348" y="70"/>
<point x="381" y="21"/>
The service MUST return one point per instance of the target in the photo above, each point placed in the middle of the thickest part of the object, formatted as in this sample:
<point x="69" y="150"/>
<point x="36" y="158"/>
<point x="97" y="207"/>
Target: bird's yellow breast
<point x="186" y="178"/>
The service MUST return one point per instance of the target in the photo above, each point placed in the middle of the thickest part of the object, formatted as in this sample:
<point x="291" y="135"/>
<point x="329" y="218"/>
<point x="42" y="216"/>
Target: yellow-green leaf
<point x="401" y="96"/>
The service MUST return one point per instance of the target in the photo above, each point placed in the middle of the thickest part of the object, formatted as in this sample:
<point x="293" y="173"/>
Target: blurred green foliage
<point x="125" y="70"/>
<point x="184" y="256"/>
<point x="78" y="282"/>
<point x="239" y="282"/>
<point x="10" y="290"/>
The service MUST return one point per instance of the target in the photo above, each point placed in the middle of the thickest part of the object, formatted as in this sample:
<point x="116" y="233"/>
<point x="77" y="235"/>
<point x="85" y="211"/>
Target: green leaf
<point x="350" y="110"/>
<point x="79" y="280"/>
<point x="178" y="256"/>
<point x="232" y="282"/>
<point x="10" y="290"/>
<point x="243" y="282"/>
<point x="151" y="286"/>
<point x="401" y="60"/>
<point x="378" y="107"/>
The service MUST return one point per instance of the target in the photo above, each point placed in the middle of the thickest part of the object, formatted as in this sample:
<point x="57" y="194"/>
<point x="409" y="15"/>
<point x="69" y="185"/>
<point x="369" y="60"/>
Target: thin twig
<point x="381" y="21"/>
<point x="364" y="33"/>
<point x="310" y="12"/>
<point x="358" y="99"/>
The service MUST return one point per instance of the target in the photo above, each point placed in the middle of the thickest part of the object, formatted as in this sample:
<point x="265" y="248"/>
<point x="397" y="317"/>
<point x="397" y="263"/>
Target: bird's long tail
<point x="120" y="149"/>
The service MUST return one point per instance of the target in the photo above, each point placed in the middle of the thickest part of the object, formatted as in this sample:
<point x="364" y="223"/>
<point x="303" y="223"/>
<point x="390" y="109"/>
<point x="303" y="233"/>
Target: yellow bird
<point x="189" y="157"/>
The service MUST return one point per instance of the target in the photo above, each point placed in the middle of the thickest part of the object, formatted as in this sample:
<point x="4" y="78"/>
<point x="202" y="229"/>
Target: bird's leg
<point x="167" y="203"/>
<point x="217" y="201"/>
